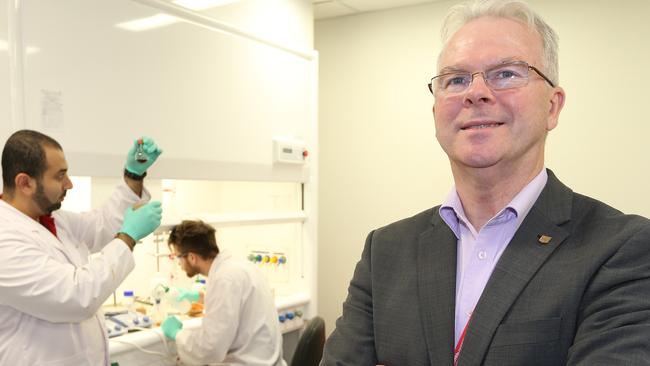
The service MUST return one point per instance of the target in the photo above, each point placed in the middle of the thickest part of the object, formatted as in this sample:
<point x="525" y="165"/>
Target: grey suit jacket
<point x="581" y="299"/>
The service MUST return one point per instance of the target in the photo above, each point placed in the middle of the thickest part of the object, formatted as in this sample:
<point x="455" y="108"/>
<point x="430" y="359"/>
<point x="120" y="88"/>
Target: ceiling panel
<point x="335" y="8"/>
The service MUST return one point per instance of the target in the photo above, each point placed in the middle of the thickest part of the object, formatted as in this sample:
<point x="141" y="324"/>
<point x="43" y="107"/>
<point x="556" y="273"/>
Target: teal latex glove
<point x="150" y="149"/>
<point x="171" y="326"/>
<point x="142" y="221"/>
<point x="191" y="295"/>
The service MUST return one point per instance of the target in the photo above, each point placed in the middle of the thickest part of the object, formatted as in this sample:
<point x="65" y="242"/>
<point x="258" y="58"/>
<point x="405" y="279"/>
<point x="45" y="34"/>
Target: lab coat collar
<point x="15" y="218"/>
<point x="218" y="260"/>
<point x="11" y="210"/>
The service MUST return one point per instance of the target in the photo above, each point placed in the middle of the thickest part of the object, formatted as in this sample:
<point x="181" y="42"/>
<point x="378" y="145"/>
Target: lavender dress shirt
<point x="479" y="251"/>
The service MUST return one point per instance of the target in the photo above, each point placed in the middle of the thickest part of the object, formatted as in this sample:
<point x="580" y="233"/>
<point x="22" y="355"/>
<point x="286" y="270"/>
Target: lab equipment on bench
<point x="118" y="323"/>
<point x="178" y="299"/>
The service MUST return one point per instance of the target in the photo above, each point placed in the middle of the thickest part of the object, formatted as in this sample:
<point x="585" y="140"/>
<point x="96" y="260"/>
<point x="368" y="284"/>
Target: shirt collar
<point x="526" y="198"/>
<point x="452" y="213"/>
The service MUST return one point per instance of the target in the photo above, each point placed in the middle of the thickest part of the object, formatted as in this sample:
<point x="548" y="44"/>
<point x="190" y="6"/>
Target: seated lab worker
<point x="240" y="325"/>
<point x="51" y="292"/>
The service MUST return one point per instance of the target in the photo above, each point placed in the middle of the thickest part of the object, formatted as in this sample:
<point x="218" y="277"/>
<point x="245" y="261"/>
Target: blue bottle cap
<point x="128" y="293"/>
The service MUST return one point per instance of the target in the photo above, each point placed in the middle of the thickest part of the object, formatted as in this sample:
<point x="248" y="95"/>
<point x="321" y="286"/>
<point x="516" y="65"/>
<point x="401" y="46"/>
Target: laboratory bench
<point x="149" y="347"/>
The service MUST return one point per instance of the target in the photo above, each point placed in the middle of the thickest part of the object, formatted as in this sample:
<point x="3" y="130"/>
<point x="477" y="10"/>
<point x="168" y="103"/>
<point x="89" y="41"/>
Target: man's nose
<point x="478" y="91"/>
<point x="68" y="183"/>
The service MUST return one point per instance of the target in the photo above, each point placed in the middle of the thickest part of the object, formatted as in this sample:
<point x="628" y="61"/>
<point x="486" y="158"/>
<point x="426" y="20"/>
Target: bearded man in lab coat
<point x="240" y="325"/>
<point x="50" y="291"/>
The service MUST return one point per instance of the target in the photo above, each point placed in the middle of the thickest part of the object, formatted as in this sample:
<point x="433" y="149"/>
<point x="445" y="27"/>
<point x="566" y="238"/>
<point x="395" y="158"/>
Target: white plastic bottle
<point x="129" y="301"/>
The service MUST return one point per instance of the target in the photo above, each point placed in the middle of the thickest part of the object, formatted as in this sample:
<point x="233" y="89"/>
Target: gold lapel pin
<point x="544" y="239"/>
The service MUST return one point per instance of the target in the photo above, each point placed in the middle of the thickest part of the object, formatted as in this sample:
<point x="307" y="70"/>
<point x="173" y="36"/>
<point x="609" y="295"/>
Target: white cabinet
<point x="214" y="96"/>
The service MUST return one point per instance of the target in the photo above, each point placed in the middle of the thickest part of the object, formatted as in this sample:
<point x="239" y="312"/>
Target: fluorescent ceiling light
<point x="142" y="24"/>
<point x="202" y="4"/>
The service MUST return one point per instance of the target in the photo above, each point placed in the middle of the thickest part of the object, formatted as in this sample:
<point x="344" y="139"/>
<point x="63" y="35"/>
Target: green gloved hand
<point x="142" y="221"/>
<point x="171" y="326"/>
<point x="191" y="295"/>
<point x="147" y="155"/>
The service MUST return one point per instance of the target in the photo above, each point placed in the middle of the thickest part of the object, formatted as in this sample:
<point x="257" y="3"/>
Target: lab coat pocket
<point x="76" y="359"/>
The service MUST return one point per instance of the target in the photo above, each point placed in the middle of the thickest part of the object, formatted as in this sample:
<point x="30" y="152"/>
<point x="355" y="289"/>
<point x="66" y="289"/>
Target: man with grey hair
<point x="513" y="268"/>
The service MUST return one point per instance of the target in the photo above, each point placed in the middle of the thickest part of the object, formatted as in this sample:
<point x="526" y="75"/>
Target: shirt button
<point x="482" y="255"/>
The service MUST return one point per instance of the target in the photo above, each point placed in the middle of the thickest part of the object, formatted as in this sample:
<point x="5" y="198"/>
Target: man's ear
<point x="195" y="258"/>
<point x="25" y="184"/>
<point x="556" y="104"/>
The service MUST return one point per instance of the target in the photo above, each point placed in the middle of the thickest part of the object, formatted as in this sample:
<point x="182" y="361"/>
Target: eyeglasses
<point x="179" y="256"/>
<point x="505" y="76"/>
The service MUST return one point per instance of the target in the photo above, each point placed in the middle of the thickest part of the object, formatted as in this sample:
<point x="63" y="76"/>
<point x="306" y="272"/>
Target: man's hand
<point x="191" y="295"/>
<point x="143" y="221"/>
<point x="151" y="152"/>
<point x="171" y="326"/>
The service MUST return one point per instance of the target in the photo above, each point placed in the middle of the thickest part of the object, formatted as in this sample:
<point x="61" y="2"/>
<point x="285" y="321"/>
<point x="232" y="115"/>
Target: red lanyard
<point x="459" y="345"/>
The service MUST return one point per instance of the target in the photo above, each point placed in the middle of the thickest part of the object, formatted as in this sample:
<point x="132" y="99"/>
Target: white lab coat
<point x="51" y="293"/>
<point x="240" y="326"/>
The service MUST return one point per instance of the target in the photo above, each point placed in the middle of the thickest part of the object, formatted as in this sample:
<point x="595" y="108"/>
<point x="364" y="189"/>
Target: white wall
<point x="379" y="158"/>
<point x="5" y="91"/>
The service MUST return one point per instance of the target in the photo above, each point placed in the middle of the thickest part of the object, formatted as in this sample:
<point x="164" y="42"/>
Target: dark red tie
<point x="48" y="222"/>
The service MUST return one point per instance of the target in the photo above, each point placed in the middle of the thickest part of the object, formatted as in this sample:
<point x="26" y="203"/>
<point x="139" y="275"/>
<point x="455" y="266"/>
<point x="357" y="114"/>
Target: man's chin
<point x="191" y="274"/>
<point x="53" y="208"/>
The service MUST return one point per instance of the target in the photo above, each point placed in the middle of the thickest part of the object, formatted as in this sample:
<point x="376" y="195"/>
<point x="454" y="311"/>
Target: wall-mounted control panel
<point x="289" y="151"/>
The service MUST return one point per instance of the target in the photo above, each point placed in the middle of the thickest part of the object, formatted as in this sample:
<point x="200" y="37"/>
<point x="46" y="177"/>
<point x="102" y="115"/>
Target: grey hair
<point x="516" y="10"/>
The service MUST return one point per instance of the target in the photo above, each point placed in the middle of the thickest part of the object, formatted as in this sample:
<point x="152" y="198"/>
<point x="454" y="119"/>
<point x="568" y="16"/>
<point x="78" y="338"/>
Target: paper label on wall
<point x="52" y="110"/>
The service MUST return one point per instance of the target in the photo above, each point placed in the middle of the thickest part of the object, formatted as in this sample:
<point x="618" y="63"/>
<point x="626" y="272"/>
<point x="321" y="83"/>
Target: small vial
<point x="140" y="155"/>
<point x="157" y="313"/>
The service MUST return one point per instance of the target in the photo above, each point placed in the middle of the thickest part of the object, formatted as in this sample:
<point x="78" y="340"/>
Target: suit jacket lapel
<point x="518" y="264"/>
<point x="436" y="265"/>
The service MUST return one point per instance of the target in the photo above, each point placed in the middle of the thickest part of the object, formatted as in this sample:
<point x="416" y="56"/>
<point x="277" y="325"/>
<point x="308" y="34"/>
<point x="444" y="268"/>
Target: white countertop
<point x="148" y="337"/>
